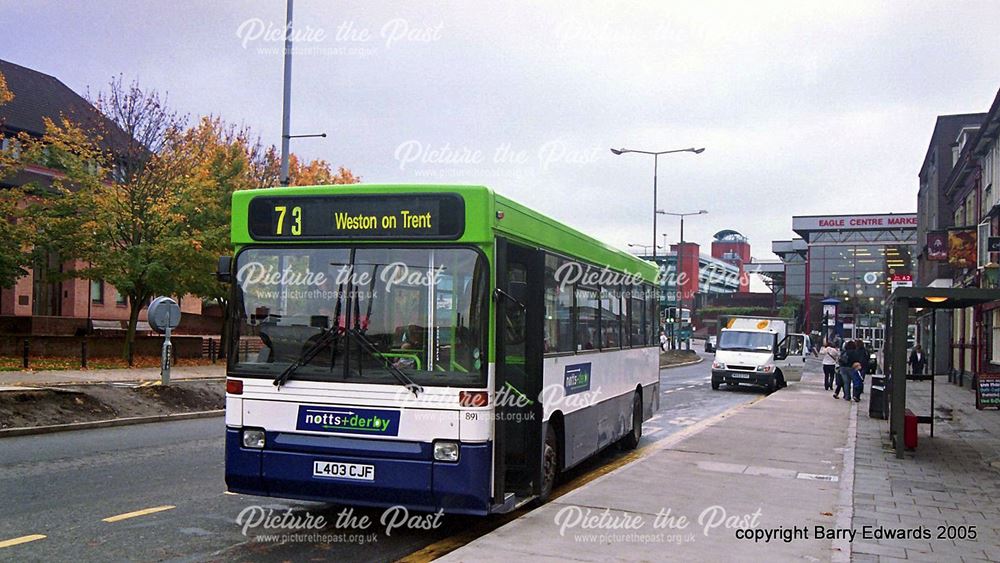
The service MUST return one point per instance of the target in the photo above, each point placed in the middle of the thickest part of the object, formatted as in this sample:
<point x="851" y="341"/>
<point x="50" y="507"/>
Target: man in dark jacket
<point x="917" y="360"/>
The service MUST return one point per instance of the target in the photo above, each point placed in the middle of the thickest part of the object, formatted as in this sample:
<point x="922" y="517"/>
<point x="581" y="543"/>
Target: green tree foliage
<point x="14" y="229"/>
<point x="143" y="200"/>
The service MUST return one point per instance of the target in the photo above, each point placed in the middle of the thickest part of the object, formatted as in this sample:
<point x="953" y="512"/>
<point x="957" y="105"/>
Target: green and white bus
<point x="435" y="347"/>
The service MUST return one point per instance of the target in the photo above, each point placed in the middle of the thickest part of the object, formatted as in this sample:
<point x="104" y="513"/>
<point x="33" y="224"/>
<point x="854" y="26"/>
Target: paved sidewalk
<point x="947" y="481"/>
<point x="774" y="465"/>
<point x="75" y="376"/>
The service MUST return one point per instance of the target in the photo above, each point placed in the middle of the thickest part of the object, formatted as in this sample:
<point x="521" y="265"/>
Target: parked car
<point x="710" y="345"/>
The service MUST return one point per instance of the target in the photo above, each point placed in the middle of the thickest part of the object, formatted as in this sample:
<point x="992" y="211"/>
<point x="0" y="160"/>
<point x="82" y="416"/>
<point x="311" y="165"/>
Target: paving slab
<point x="948" y="481"/>
<point x="691" y="500"/>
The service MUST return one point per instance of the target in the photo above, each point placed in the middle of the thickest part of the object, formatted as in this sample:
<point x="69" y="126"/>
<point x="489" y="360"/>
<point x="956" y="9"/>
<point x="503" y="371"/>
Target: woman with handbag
<point x="830" y="358"/>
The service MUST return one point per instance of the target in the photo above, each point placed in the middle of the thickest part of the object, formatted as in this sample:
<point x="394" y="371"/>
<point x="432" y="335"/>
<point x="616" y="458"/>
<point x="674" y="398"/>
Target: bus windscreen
<point x="418" y="310"/>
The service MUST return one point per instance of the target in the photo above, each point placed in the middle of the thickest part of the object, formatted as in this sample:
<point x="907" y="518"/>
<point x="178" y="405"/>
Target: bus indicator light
<point x="473" y="398"/>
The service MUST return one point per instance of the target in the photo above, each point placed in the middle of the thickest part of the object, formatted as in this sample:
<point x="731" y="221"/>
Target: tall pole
<point x="286" y="100"/>
<point x="656" y="159"/>
<point x="678" y="319"/>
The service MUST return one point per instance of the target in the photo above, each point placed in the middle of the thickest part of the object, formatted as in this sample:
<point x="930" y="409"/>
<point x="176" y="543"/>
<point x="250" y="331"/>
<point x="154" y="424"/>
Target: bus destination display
<point x="334" y="217"/>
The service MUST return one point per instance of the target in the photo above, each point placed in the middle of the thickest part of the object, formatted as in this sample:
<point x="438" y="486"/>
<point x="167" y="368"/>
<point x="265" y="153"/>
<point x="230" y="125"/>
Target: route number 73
<point x="296" y="227"/>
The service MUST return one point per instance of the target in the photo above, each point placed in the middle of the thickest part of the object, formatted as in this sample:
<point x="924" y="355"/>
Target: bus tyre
<point x="631" y="440"/>
<point x="715" y="385"/>
<point x="550" y="463"/>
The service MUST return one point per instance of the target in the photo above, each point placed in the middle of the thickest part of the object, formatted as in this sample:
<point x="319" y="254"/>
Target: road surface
<point x="156" y="492"/>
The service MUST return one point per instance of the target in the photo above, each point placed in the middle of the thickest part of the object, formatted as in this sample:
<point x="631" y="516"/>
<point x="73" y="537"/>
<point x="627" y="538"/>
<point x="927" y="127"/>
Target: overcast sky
<point x="804" y="107"/>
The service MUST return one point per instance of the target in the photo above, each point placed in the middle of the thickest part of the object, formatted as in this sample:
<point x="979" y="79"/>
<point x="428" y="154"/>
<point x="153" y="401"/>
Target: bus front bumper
<point x="405" y="473"/>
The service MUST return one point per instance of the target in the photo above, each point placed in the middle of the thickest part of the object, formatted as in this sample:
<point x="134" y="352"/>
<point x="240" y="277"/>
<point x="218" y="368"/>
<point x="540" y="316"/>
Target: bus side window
<point x="558" y="309"/>
<point x="587" y="328"/>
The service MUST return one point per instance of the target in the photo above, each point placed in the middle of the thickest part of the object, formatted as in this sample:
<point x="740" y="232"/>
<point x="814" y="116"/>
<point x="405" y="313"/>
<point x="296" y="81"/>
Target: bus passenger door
<point x="518" y="384"/>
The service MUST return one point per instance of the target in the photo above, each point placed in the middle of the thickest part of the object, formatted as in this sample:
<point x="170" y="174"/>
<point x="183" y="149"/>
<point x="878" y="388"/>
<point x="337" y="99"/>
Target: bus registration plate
<point x="335" y="470"/>
<point x="738" y="375"/>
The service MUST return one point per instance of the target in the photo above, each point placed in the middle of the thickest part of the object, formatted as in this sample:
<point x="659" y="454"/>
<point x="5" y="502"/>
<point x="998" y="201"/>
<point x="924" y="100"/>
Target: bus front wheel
<point x="550" y="462"/>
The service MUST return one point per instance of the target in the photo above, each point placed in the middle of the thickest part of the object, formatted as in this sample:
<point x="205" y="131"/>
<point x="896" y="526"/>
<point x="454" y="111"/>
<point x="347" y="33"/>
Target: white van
<point x="758" y="351"/>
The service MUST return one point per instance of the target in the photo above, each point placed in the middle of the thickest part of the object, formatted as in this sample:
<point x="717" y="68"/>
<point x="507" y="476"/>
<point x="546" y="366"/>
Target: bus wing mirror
<point x="224" y="271"/>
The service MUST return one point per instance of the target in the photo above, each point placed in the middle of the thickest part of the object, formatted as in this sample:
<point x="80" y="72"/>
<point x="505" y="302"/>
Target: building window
<point x="97" y="291"/>
<point x="995" y="336"/>
<point x="120" y="299"/>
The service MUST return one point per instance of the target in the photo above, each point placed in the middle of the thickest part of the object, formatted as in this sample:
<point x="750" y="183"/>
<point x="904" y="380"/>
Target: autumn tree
<point x="5" y="94"/>
<point x="123" y="208"/>
<point x="15" y="230"/>
<point x="144" y="201"/>
<point x="317" y="173"/>
<point x="226" y="159"/>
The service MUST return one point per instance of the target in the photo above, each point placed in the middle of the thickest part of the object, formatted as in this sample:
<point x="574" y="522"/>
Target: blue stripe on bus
<point x="418" y="484"/>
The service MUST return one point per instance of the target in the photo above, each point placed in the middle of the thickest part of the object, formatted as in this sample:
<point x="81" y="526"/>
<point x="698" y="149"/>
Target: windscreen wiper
<point x="369" y="347"/>
<point x="330" y="336"/>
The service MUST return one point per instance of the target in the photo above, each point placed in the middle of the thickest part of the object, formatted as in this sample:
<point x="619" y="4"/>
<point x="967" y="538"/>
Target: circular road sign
<point x="163" y="312"/>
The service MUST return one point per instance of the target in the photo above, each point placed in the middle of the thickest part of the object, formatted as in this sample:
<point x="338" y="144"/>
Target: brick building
<point x="38" y="96"/>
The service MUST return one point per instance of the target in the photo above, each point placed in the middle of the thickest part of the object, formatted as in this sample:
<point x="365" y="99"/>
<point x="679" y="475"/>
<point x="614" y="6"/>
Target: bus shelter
<point x="902" y="300"/>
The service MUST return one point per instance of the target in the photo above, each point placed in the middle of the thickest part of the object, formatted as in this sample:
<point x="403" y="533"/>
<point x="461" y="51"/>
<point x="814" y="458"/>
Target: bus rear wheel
<point x="631" y="440"/>
<point x="550" y="463"/>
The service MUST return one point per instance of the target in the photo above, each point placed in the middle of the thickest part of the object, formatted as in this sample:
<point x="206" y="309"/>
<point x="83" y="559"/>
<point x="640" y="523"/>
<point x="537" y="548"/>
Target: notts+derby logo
<point x="348" y="420"/>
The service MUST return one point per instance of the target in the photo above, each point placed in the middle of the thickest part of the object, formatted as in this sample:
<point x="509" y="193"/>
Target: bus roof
<point x="486" y="213"/>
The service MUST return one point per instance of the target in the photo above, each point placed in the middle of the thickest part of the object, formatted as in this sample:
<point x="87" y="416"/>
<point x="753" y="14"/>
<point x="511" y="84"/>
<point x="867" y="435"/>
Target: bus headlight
<point x="253" y="438"/>
<point x="718" y="365"/>
<point x="766" y="368"/>
<point x="446" y="451"/>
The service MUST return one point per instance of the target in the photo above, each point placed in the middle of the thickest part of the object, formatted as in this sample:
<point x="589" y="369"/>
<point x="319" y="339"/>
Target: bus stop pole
<point x="900" y="310"/>
<point x="165" y="360"/>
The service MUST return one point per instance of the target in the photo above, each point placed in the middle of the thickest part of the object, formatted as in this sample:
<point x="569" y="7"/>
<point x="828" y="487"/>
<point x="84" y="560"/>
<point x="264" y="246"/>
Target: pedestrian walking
<point x="663" y="341"/>
<point x="844" y="376"/>
<point x="831" y="357"/>
<point x="917" y="360"/>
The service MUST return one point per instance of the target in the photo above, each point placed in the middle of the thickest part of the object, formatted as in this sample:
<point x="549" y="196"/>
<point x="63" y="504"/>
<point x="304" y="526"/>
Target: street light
<point x="680" y="250"/>
<point x="646" y="246"/>
<point x="656" y="156"/>
<point x="286" y="100"/>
